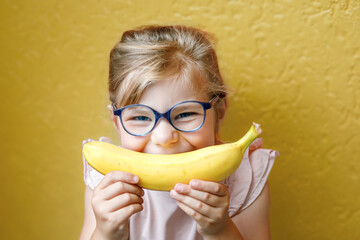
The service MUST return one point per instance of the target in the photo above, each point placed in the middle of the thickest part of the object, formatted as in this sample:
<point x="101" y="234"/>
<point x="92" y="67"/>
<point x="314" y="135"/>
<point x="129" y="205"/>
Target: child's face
<point x="164" y="138"/>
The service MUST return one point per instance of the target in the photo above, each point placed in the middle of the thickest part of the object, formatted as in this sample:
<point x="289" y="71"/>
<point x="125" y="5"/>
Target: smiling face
<point x="165" y="139"/>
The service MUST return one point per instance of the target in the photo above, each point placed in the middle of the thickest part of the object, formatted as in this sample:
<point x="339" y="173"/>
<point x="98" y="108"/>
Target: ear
<point x="221" y="113"/>
<point x="220" y="119"/>
<point x="113" y="117"/>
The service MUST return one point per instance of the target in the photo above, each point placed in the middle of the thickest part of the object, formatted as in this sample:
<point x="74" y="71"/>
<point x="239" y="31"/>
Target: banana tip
<point x="257" y="127"/>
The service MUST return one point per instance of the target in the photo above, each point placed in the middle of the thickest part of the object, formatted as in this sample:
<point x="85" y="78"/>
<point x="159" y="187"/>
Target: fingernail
<point x="136" y="179"/>
<point x="179" y="187"/>
<point x="194" y="183"/>
<point x="173" y="192"/>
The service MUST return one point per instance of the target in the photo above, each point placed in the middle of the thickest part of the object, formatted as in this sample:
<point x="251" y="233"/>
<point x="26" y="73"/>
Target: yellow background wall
<point x="293" y="67"/>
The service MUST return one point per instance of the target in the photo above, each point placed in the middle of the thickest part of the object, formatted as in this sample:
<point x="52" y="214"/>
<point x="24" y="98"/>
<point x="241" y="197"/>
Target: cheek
<point x="131" y="142"/>
<point x="210" y="122"/>
<point x="205" y="136"/>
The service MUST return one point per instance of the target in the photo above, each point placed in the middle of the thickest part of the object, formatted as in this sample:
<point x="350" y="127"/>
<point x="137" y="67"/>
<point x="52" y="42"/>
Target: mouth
<point x="162" y="152"/>
<point x="166" y="151"/>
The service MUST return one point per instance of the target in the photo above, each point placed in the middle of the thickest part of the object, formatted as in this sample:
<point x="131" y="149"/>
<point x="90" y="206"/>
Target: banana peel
<point x="162" y="171"/>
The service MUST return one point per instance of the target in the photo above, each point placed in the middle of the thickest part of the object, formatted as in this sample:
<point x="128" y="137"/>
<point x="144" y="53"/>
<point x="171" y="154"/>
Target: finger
<point x="105" y="139"/>
<point x="257" y="143"/>
<point x="116" y="176"/>
<point x="125" y="213"/>
<point x="122" y="201"/>
<point x="118" y="188"/>
<point x="217" y="189"/>
<point x="198" y="217"/>
<point x="208" y="198"/>
<point x="194" y="204"/>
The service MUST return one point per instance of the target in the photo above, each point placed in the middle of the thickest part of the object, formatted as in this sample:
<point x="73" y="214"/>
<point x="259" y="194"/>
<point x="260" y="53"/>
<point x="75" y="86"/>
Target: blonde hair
<point x="149" y="53"/>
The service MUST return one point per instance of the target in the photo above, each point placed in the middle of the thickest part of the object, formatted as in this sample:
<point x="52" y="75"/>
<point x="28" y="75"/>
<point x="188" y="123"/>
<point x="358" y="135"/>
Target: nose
<point x="164" y="133"/>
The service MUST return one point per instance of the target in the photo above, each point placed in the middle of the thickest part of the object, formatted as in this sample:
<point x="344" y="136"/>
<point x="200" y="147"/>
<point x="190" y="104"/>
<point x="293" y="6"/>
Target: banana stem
<point x="250" y="136"/>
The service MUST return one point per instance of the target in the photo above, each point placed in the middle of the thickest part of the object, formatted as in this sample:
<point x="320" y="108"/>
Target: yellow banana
<point x="162" y="172"/>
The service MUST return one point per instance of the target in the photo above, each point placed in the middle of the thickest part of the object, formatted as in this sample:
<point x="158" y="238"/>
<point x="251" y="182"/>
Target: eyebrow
<point x="183" y="106"/>
<point x="137" y="110"/>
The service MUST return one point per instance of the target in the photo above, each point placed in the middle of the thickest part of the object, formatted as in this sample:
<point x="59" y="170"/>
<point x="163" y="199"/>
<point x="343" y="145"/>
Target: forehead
<point x="172" y="81"/>
<point x="164" y="93"/>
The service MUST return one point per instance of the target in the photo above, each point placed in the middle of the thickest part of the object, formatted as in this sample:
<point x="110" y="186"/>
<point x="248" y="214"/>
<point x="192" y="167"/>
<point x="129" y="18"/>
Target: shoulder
<point x="248" y="181"/>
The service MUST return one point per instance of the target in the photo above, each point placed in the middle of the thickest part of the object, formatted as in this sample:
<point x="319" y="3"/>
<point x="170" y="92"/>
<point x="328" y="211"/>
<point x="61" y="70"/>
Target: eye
<point x="185" y="114"/>
<point x="141" y="118"/>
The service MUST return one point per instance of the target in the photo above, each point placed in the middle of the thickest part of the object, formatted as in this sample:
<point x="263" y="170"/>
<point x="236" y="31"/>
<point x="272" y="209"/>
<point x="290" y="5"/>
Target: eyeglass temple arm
<point x="221" y="95"/>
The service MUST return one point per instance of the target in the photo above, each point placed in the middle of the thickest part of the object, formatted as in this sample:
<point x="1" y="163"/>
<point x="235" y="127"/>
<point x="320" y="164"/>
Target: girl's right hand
<point x="114" y="200"/>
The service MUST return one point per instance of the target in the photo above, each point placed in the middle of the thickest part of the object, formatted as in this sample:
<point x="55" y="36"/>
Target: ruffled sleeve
<point x="248" y="181"/>
<point x="92" y="177"/>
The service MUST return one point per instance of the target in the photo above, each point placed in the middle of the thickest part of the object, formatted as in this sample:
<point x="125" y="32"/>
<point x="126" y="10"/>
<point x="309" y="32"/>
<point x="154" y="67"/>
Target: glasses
<point x="139" y="120"/>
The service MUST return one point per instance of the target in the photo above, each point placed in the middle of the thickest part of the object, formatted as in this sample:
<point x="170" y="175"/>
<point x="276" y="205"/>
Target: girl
<point x="173" y="69"/>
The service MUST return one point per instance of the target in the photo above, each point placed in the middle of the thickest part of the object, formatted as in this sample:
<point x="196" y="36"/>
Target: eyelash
<point x="187" y="114"/>
<point x="137" y="118"/>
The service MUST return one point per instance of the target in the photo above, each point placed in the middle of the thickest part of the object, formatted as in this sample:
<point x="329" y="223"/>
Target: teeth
<point x="161" y="171"/>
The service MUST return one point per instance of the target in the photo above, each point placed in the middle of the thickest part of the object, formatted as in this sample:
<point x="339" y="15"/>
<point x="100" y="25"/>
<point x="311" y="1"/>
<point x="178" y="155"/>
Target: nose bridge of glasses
<point x="165" y="115"/>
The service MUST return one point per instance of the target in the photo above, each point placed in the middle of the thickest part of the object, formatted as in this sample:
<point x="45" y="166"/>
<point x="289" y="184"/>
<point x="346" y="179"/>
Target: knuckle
<point x="217" y="218"/>
<point x="199" y="205"/>
<point x="110" y="174"/>
<point x="208" y="224"/>
<point x="120" y="186"/>
<point x="114" y="222"/>
<point x="219" y="215"/>
<point x="206" y="197"/>
<point x="139" y="207"/>
<point x="226" y="190"/>
<point x="224" y="203"/>
<point x="217" y="188"/>
<point x="101" y="211"/>
<point x="193" y="214"/>
<point x="138" y="199"/>
<point x="121" y="227"/>
<point x="140" y="192"/>
<point x="127" y="197"/>
<point x="134" y="207"/>
<point x="94" y="202"/>
<point x="96" y="190"/>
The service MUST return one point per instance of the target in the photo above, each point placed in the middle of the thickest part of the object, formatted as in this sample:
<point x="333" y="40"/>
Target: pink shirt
<point x="162" y="219"/>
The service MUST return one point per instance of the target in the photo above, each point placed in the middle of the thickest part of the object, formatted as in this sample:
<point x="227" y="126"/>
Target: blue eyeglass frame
<point x="158" y="116"/>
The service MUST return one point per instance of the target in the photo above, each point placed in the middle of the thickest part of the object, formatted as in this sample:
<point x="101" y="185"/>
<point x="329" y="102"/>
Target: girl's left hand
<point x="206" y="202"/>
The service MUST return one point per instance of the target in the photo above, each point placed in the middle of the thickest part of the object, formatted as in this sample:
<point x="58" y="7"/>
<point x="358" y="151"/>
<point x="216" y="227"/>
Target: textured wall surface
<point x="293" y="66"/>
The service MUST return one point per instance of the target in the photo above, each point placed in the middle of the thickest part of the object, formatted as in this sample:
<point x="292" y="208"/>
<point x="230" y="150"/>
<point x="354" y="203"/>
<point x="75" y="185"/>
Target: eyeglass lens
<point x="140" y="120"/>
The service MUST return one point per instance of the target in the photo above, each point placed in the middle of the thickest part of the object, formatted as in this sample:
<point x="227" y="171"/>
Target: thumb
<point x="256" y="144"/>
<point x="105" y="139"/>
